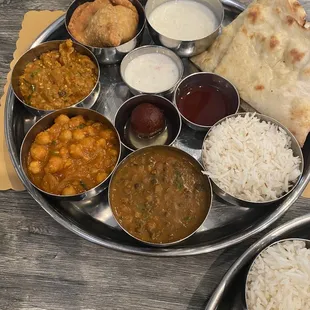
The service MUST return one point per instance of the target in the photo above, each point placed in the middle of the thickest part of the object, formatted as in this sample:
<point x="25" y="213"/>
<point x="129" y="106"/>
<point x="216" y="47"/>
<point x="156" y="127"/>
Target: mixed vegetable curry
<point x="159" y="196"/>
<point x="58" y="79"/>
<point x="72" y="156"/>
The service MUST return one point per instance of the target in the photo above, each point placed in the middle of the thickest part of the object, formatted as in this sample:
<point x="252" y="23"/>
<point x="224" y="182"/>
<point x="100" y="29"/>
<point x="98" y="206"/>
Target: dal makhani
<point x="159" y="195"/>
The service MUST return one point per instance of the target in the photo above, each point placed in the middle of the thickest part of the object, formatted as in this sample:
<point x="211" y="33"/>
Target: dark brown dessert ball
<point x="147" y="120"/>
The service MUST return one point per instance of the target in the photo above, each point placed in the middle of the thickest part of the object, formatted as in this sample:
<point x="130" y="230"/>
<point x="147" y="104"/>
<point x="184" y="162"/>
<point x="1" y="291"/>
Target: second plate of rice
<point x="279" y="277"/>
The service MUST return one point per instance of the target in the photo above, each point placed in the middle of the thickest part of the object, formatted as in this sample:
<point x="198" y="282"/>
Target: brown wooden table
<point x="45" y="266"/>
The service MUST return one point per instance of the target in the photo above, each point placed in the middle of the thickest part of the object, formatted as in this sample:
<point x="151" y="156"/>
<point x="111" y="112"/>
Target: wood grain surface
<point x="44" y="266"/>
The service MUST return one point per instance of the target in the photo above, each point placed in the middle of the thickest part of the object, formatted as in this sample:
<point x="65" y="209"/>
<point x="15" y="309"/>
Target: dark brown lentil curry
<point x="58" y="79"/>
<point x="159" y="196"/>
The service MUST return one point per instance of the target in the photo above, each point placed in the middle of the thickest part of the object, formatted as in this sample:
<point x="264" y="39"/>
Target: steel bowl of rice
<point x="279" y="277"/>
<point x="252" y="160"/>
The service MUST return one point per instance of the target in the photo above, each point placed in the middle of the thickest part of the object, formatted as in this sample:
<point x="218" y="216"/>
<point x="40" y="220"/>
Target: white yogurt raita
<point x="184" y="20"/>
<point x="152" y="73"/>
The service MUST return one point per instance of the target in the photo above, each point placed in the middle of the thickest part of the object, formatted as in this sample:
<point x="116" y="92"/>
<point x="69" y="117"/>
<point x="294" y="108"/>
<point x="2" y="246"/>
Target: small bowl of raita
<point x="152" y="70"/>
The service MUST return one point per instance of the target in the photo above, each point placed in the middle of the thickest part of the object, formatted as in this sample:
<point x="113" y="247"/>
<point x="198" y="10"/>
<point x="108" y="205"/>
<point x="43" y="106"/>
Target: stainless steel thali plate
<point x="226" y="225"/>
<point x="229" y="295"/>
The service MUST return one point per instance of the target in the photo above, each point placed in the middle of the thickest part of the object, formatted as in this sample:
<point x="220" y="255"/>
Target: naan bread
<point x="268" y="60"/>
<point x="209" y="60"/>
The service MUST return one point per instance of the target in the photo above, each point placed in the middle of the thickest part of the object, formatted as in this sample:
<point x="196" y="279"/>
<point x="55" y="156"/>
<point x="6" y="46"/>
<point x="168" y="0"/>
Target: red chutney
<point x="204" y="105"/>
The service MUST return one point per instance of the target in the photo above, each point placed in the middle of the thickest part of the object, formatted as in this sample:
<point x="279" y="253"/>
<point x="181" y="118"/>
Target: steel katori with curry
<point x="72" y="156"/>
<point x="58" y="79"/>
<point x="159" y="196"/>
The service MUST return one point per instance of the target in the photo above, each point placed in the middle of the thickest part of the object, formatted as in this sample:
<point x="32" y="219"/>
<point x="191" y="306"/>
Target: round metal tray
<point x="226" y="225"/>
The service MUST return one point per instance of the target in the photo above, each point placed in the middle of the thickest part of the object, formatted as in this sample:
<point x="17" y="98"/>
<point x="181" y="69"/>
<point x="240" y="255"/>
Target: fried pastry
<point x="104" y="23"/>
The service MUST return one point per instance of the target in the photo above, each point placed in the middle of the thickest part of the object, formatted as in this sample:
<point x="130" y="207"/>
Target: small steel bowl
<point x="307" y="242"/>
<point x="35" y="53"/>
<point x="206" y="79"/>
<point x="148" y="49"/>
<point x="186" y="48"/>
<point x="46" y="122"/>
<point x="173" y="118"/>
<point x="111" y="55"/>
<point x="250" y="204"/>
<point x="191" y="161"/>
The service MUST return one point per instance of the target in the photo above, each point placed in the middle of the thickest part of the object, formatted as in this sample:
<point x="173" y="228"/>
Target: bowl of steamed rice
<point x="252" y="159"/>
<point x="279" y="277"/>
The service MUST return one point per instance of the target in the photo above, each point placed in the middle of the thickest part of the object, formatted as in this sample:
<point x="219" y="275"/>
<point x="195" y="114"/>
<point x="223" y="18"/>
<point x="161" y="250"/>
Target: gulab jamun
<point x="147" y="120"/>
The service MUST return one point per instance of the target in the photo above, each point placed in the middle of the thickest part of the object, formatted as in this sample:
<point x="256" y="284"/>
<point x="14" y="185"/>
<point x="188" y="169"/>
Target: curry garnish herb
<point x="83" y="184"/>
<point x="34" y="73"/>
<point x="81" y="126"/>
<point x="187" y="218"/>
<point x="178" y="180"/>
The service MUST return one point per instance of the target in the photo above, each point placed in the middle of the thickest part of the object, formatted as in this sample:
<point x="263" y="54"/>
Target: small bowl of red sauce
<point x="204" y="98"/>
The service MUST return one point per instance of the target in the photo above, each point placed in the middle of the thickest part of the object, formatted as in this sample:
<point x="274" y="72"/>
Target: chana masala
<point x="58" y="79"/>
<point x="72" y="156"/>
<point x="159" y="195"/>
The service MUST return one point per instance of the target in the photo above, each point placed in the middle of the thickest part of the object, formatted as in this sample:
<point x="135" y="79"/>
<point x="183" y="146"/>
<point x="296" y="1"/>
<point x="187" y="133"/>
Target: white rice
<point x="250" y="159"/>
<point x="280" y="278"/>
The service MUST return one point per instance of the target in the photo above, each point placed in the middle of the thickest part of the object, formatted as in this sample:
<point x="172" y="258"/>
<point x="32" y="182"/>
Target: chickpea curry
<point x="159" y="196"/>
<point x="72" y="156"/>
<point x="58" y="79"/>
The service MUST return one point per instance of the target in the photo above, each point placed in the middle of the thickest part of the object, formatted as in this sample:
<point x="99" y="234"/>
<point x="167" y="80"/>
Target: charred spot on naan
<point x="274" y="42"/>
<point x="259" y="87"/>
<point x="254" y="14"/>
<point x="296" y="55"/>
<point x="290" y="20"/>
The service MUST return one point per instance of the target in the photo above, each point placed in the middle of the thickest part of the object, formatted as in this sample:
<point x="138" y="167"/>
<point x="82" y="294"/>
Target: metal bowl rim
<point x="293" y="141"/>
<point x="158" y="97"/>
<point x="51" y="115"/>
<point x="203" y="127"/>
<point x="195" y="40"/>
<point x="174" y="149"/>
<point x="47" y="43"/>
<point x="157" y="48"/>
<point x="137" y="2"/>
